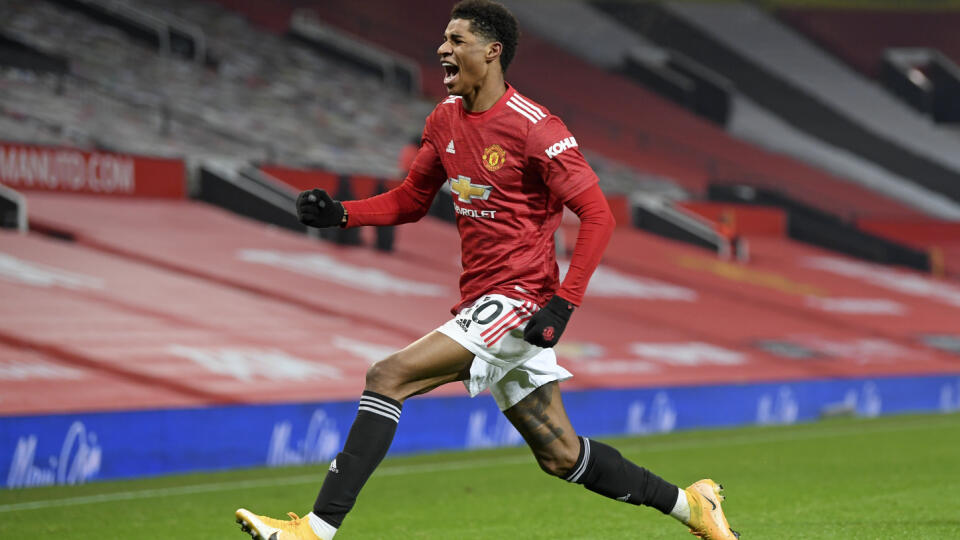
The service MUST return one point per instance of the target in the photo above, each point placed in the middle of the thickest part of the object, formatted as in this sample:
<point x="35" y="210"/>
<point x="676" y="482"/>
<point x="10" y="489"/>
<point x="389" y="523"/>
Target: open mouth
<point x="450" y="73"/>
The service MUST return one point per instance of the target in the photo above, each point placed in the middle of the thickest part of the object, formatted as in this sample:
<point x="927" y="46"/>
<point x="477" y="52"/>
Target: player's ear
<point x="494" y="48"/>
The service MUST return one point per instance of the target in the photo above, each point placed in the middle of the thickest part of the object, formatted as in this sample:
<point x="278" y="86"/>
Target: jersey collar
<point x="501" y="103"/>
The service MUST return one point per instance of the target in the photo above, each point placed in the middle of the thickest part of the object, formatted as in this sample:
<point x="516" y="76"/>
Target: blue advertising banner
<point x="78" y="448"/>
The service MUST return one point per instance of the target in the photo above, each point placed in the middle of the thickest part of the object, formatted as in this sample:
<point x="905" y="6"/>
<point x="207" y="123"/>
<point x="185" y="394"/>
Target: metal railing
<point x="305" y="22"/>
<point x="163" y="26"/>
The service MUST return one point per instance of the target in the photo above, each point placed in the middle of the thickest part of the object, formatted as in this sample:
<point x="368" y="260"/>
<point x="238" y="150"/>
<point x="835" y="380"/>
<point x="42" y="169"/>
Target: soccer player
<point x="512" y="167"/>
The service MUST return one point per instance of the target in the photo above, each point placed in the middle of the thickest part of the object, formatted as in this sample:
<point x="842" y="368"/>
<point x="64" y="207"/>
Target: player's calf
<point x="603" y="470"/>
<point x="366" y="445"/>
<point x="558" y="460"/>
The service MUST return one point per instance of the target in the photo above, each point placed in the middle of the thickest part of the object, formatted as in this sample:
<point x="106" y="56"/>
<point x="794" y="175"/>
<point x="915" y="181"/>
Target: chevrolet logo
<point x="466" y="191"/>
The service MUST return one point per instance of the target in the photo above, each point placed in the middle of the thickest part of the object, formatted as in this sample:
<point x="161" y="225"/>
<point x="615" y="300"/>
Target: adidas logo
<point x="450" y="148"/>
<point x="333" y="466"/>
<point x="464" y="324"/>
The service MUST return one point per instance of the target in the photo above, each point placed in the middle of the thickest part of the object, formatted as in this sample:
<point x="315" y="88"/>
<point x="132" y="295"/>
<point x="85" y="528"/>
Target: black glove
<point x="546" y="325"/>
<point x="316" y="209"/>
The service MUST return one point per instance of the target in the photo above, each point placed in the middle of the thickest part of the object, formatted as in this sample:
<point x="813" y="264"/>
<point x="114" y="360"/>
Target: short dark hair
<point x="491" y="21"/>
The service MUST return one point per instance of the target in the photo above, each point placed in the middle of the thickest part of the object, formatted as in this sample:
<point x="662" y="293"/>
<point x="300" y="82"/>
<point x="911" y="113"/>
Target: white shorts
<point x="492" y="329"/>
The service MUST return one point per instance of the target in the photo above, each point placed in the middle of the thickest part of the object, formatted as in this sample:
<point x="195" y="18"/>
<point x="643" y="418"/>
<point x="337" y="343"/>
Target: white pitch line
<point x="709" y="440"/>
<point x="397" y="470"/>
<point x="158" y="492"/>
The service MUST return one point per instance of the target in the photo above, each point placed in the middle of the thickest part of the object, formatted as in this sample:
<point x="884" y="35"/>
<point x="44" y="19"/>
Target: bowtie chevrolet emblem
<point x="466" y="191"/>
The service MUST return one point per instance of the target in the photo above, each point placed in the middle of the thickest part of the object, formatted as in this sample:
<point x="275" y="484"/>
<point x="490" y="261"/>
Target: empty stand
<point x="209" y="243"/>
<point x="811" y="225"/>
<point x="43" y="383"/>
<point x="743" y="219"/>
<point x="941" y="238"/>
<point x="586" y="32"/>
<point x="913" y="53"/>
<point x="101" y="318"/>
<point x="763" y="128"/>
<point x="819" y="301"/>
<point x="860" y="36"/>
<point x="789" y="76"/>
<point x="268" y="99"/>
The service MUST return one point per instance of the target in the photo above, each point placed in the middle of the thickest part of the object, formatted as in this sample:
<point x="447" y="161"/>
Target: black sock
<point x="601" y="469"/>
<point x="367" y="443"/>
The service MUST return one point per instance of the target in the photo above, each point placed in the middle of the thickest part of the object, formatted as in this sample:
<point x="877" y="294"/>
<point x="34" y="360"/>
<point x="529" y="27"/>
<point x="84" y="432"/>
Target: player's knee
<point x="383" y="376"/>
<point x="558" y="462"/>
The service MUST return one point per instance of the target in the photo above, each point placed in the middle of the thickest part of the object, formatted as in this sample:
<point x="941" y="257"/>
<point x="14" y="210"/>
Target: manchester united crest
<point x="493" y="157"/>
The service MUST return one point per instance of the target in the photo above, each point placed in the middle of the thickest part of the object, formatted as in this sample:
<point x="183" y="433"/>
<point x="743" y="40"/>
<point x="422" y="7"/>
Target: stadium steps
<point x="190" y="341"/>
<point x="859" y="36"/>
<point x="811" y="225"/>
<point x="209" y="243"/>
<point x="892" y="47"/>
<point x="801" y="84"/>
<point x="270" y="98"/>
<point x="588" y="33"/>
<point x="780" y="278"/>
<point x="37" y="381"/>
<point x="764" y="129"/>
<point x="941" y="238"/>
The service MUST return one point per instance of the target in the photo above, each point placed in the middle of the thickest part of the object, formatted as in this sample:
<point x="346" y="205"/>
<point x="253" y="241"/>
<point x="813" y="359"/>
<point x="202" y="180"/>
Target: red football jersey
<point x="510" y="169"/>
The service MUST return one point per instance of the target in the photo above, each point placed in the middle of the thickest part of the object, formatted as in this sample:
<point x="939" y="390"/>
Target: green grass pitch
<point x="844" y="479"/>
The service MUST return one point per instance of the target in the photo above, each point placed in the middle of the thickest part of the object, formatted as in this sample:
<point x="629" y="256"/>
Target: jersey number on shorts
<point x="497" y="308"/>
